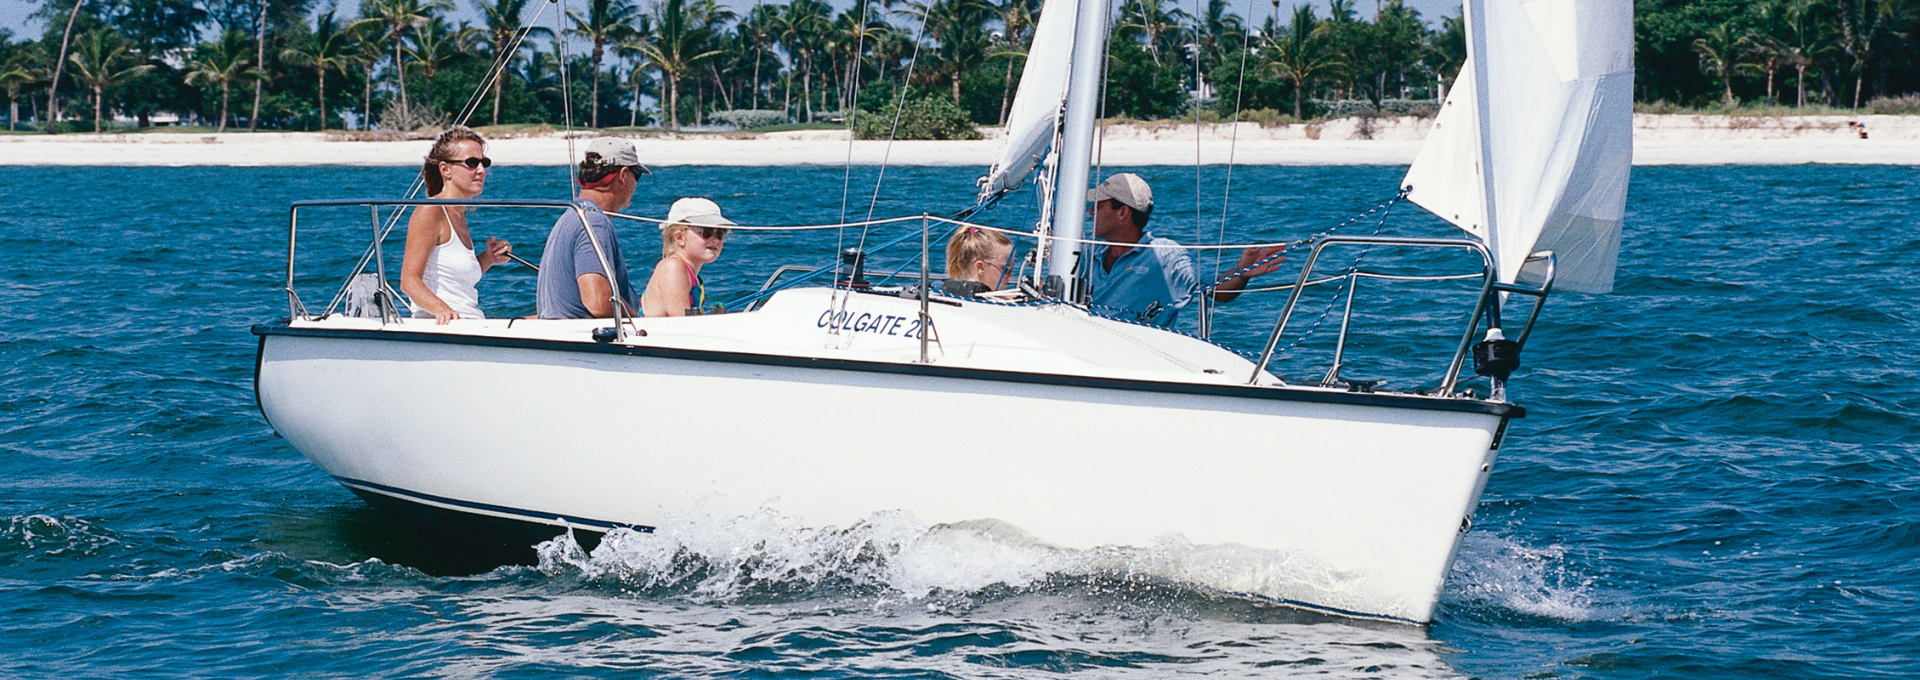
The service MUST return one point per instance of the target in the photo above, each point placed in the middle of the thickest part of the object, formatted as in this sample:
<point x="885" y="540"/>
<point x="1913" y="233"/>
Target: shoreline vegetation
<point x="940" y="68"/>
<point x="1659" y="139"/>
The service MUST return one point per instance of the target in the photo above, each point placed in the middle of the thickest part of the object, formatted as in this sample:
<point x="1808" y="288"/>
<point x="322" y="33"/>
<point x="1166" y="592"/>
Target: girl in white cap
<point x="693" y="236"/>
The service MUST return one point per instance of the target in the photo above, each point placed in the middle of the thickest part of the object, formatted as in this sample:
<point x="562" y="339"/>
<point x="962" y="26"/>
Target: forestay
<point x="1546" y="102"/>
<point x="1036" y="105"/>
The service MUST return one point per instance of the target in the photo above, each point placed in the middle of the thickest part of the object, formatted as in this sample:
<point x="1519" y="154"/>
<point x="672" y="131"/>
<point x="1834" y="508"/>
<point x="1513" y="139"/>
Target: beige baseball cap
<point x="615" y="151"/>
<point x="1128" y="189"/>
<point x="698" y="212"/>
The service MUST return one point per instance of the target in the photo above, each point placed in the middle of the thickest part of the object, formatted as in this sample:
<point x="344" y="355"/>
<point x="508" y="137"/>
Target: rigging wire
<point x="566" y="93"/>
<point x="900" y="105"/>
<point x="1347" y="279"/>
<point x="499" y="67"/>
<point x="1100" y="119"/>
<point x="846" y="179"/>
<point x="494" y="73"/>
<point x="885" y="155"/>
<point x="1233" y="144"/>
<point x="1194" y="102"/>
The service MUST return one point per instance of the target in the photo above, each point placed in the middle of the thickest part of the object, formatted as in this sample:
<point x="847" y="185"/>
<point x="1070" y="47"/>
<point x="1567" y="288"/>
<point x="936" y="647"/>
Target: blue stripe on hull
<point x="545" y="518"/>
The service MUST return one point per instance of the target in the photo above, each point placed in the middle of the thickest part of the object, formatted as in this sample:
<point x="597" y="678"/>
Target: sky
<point x="14" y="13"/>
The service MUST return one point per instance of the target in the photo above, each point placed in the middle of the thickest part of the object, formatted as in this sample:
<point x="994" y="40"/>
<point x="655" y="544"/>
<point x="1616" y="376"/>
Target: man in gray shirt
<point x="573" y="283"/>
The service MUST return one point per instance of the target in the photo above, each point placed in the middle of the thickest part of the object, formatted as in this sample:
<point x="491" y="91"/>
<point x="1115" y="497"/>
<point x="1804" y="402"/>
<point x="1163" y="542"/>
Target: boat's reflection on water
<point x="437" y="544"/>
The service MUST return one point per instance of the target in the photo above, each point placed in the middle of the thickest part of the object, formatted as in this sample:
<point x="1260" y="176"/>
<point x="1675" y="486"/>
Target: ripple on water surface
<point x="1715" y="478"/>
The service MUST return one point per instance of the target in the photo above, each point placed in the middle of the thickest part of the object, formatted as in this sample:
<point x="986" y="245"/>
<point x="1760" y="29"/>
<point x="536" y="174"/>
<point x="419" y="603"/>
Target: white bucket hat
<point x="697" y="212"/>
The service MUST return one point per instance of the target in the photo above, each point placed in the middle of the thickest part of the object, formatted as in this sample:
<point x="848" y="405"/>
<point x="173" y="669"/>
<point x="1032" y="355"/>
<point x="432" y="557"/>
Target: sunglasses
<point x="473" y="163"/>
<point x="712" y="233"/>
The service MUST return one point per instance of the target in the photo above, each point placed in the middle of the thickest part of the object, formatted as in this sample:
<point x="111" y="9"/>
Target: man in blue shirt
<point x="1148" y="284"/>
<point x="572" y="283"/>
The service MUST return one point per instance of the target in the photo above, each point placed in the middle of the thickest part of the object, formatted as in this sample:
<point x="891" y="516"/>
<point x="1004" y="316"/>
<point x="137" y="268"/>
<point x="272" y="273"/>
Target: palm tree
<point x="1400" y="36"/>
<point x="895" y="48"/>
<point x="681" y="41"/>
<point x="758" y="31"/>
<point x="1159" y="21"/>
<point x="801" y="27"/>
<point x="1720" y="54"/>
<point x="727" y="56"/>
<point x="433" y="45"/>
<point x="1017" y="17"/>
<point x="328" y="48"/>
<point x="957" y="27"/>
<point x="716" y="16"/>
<point x="1347" y="36"/>
<point x="1800" y="43"/>
<point x="260" y="60"/>
<point x="59" y="63"/>
<point x="633" y="48"/>
<point x="502" y="18"/>
<point x="1765" y="58"/>
<point x="221" y="64"/>
<point x="542" y="73"/>
<point x="1341" y="12"/>
<point x="98" y="61"/>
<point x="396" y="18"/>
<point x="607" y="22"/>
<point x="1449" y="47"/>
<point x="1302" y="53"/>
<point x="1221" y="33"/>
<point x="1864" y="26"/>
<point x="15" y="75"/>
<point x="367" y="37"/>
<point x="850" y="41"/>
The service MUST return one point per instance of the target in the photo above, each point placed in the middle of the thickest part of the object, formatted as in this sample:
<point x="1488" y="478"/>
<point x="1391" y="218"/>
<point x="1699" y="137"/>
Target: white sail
<point x="1546" y="103"/>
<point x="1036" y="105"/>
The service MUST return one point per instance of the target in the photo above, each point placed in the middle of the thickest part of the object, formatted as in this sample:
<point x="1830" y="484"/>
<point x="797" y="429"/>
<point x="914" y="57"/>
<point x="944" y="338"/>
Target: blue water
<point x="1716" y="477"/>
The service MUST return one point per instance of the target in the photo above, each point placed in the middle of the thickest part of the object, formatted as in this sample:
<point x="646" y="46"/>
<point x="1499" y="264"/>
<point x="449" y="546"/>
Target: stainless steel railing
<point x="1487" y="304"/>
<point x="375" y="249"/>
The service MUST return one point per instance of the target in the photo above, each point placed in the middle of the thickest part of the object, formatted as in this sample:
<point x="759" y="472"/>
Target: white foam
<point x="893" y="558"/>
<point x="1495" y="571"/>
<point x="52" y="536"/>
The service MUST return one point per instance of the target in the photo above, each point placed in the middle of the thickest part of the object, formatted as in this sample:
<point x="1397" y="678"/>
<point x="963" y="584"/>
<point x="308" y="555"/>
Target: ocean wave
<point x="288" y="569"/>
<point x="27" y="538"/>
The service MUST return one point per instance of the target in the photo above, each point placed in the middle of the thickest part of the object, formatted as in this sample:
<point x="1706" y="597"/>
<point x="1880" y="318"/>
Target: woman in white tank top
<point x="440" y="270"/>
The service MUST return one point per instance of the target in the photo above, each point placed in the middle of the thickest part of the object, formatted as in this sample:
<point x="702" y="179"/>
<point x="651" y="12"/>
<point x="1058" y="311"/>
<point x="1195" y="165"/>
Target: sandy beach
<point x="1658" y="140"/>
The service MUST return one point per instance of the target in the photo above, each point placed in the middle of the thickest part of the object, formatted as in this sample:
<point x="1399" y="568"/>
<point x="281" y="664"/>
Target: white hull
<point x="1299" y="487"/>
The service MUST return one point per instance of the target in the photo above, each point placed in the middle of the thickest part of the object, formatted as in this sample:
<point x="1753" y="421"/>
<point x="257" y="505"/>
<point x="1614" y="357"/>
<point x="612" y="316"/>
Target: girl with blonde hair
<point x="692" y="237"/>
<point x="978" y="261"/>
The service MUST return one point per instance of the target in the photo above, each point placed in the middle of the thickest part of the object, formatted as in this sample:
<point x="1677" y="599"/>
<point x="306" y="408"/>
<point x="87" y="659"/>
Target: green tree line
<point x="404" y="64"/>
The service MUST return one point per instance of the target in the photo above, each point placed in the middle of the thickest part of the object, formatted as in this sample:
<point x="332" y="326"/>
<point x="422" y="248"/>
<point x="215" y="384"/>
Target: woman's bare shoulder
<point x="430" y="219"/>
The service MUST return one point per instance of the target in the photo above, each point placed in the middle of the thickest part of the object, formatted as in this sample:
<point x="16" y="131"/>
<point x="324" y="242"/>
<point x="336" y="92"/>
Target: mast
<point x="1076" y="149"/>
<point x="1475" y="13"/>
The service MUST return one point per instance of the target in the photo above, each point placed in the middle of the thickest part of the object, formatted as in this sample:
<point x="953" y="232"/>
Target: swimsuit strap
<point x="694" y="278"/>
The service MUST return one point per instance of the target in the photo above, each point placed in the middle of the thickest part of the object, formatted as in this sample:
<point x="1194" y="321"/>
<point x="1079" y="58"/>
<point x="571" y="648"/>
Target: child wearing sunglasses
<point x="693" y="236"/>
<point x="978" y="261"/>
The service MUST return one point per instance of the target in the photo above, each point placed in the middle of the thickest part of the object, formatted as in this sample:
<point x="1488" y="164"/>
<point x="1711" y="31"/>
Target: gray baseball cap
<point x="615" y="151"/>
<point x="1128" y="189"/>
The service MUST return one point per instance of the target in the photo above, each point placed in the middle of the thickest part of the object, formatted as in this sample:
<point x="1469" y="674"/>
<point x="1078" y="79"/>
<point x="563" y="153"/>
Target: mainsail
<point x="1532" y="149"/>
<point x="1035" y="113"/>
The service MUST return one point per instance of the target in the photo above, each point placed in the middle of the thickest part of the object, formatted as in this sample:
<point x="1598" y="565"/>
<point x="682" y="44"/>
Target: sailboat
<point x="1329" y="495"/>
